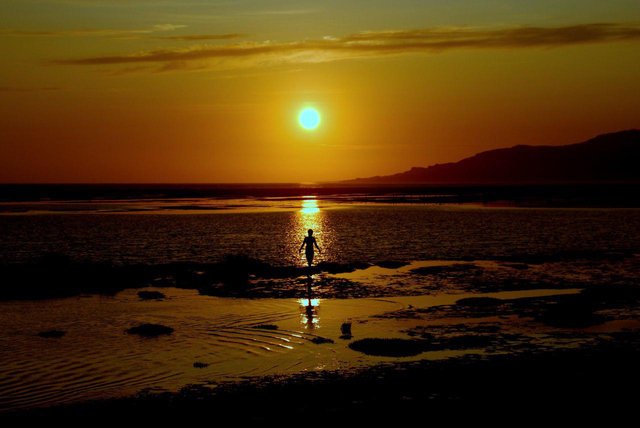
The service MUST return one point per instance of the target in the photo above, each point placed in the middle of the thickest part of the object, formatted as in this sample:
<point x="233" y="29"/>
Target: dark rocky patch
<point x="431" y="340"/>
<point x="200" y="365"/>
<point x="322" y="286"/>
<point x="448" y="330"/>
<point x="618" y="295"/>
<point x="465" y="341"/>
<point x="52" y="334"/>
<point x="481" y="307"/>
<point x="446" y="269"/>
<point x="389" y="347"/>
<point x="56" y="275"/>
<point x="334" y="268"/>
<point x="318" y="340"/>
<point x="575" y="312"/>
<point x="150" y="330"/>
<point x="151" y="295"/>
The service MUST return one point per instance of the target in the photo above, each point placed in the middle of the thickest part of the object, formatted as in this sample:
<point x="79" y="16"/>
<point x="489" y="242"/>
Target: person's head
<point x="310" y="232"/>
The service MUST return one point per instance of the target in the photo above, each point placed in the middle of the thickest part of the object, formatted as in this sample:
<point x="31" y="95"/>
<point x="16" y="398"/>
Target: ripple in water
<point x="97" y="359"/>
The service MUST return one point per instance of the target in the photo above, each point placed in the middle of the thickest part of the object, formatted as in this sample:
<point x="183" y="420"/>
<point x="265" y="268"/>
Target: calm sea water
<point x="272" y="230"/>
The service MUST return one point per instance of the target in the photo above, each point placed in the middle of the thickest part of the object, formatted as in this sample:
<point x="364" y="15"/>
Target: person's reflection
<point x="310" y="306"/>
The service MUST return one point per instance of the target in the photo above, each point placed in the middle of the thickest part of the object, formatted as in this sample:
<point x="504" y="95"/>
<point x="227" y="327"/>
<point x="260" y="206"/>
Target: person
<point x="309" y="241"/>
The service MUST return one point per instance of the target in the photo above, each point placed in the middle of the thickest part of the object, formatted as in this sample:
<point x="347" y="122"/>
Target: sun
<point x="309" y="118"/>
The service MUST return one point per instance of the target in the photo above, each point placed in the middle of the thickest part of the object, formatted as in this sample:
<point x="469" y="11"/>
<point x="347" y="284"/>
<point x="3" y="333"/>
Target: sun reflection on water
<point x="311" y="216"/>
<point x="309" y="206"/>
<point x="309" y="312"/>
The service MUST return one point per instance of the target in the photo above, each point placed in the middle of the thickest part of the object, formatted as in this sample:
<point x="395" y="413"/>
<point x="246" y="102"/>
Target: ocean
<point x="351" y="227"/>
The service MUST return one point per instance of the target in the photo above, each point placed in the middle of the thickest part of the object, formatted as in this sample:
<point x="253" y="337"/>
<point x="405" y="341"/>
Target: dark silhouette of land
<point x="600" y="172"/>
<point x="607" y="158"/>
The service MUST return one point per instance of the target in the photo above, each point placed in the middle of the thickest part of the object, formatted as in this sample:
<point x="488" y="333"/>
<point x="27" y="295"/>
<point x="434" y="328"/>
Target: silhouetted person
<point x="310" y="242"/>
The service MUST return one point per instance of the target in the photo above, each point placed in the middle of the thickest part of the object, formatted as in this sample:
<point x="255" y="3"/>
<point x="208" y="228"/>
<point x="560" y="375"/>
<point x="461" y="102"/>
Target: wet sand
<point x="98" y="354"/>
<point x="553" y="384"/>
<point x="405" y="351"/>
<point x="577" y="385"/>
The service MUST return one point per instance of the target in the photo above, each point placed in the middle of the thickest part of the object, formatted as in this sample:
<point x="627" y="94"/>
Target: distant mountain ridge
<point x="613" y="157"/>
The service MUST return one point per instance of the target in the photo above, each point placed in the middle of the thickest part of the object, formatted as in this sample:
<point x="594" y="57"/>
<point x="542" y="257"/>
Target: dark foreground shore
<point x="570" y="357"/>
<point x="573" y="384"/>
<point x="57" y="276"/>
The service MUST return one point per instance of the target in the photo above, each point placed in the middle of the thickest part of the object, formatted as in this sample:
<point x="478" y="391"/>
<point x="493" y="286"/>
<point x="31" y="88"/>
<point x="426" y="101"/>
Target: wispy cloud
<point x="282" y="12"/>
<point x="201" y="37"/>
<point x="91" y="32"/>
<point x="371" y="44"/>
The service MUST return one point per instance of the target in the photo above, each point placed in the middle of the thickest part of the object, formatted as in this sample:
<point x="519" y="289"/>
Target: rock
<point x="445" y="269"/>
<point x="345" y="329"/>
<point x="150" y="330"/>
<point x="612" y="295"/>
<point x="517" y="266"/>
<point x="467" y="341"/>
<point x="573" y="313"/>
<point x="320" y="340"/>
<point x="200" y="365"/>
<point x="52" y="334"/>
<point x="388" y="347"/>
<point x="151" y="295"/>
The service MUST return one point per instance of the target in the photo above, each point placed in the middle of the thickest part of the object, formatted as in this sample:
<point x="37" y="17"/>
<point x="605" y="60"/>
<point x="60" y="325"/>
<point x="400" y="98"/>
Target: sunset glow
<point x="334" y="212"/>
<point x="207" y="91"/>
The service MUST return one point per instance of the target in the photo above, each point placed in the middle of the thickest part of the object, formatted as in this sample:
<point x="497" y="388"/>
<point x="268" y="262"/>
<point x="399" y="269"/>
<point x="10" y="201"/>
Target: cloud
<point x="200" y="37"/>
<point x="518" y="37"/>
<point x="91" y="32"/>
<point x="371" y="44"/>
<point x="284" y="12"/>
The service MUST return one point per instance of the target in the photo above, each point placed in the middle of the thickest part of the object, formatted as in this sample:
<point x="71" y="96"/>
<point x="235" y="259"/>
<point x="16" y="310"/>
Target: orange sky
<point x="209" y="91"/>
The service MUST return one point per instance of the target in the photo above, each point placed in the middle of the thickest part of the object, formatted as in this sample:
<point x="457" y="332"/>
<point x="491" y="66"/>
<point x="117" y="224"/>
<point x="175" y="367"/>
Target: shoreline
<point x="412" y="339"/>
<point x="561" y="195"/>
<point x="243" y="276"/>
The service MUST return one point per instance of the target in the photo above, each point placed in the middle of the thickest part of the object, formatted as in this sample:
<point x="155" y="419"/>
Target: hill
<point x="611" y="157"/>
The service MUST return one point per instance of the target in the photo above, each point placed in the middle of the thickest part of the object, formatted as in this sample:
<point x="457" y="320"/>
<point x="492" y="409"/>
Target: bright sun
<point x="309" y="118"/>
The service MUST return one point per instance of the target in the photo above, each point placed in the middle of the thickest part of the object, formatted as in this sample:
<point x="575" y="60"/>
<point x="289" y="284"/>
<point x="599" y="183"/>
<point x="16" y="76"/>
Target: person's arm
<point x="316" y="244"/>
<point x="302" y="245"/>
